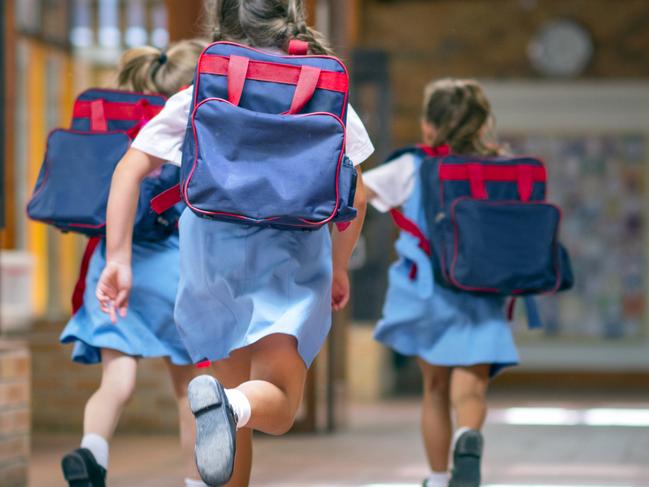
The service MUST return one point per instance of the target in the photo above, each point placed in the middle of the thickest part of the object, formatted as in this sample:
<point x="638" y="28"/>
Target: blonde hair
<point x="151" y="70"/>
<point x="460" y="112"/>
<point x="263" y="23"/>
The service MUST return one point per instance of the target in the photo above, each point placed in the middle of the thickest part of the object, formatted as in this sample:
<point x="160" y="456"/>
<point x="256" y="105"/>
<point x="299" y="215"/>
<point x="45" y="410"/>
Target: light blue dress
<point x="441" y="326"/>
<point x="240" y="283"/>
<point x="148" y="330"/>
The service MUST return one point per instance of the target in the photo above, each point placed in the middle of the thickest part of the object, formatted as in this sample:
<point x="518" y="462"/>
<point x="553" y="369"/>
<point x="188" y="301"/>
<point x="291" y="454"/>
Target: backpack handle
<point x="237" y="72"/>
<point x="524" y="178"/>
<point x="298" y="48"/>
<point x="306" y="85"/>
<point x="98" y="122"/>
<point x="305" y="88"/>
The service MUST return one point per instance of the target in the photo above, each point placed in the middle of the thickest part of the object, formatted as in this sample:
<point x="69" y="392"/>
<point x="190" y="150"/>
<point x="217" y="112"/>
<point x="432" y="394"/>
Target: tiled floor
<point x="382" y="448"/>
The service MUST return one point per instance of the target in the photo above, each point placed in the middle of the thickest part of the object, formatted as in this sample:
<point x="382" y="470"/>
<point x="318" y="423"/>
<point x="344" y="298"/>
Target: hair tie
<point x="163" y="58"/>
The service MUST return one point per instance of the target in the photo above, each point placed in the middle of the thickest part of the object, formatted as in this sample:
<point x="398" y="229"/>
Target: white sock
<point x="98" y="446"/>
<point x="437" y="479"/>
<point x="195" y="483"/>
<point x="240" y="405"/>
<point x="458" y="433"/>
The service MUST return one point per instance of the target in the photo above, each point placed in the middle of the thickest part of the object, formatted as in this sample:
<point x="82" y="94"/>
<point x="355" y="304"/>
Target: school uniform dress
<point x="241" y="283"/>
<point x="148" y="330"/>
<point x="441" y="326"/>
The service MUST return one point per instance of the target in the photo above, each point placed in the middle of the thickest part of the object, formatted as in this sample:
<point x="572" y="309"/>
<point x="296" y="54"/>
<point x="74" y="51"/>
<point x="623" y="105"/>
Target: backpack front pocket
<point x="503" y="247"/>
<point x="72" y="189"/>
<point x="282" y="170"/>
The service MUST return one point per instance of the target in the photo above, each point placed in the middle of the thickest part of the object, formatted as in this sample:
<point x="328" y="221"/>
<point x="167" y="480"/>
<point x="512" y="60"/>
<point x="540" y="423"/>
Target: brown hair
<point x="460" y="112"/>
<point x="263" y="23"/>
<point x="150" y="70"/>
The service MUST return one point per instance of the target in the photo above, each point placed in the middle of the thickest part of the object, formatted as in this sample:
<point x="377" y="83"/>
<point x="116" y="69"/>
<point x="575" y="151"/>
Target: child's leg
<point x="436" y="415"/>
<point x="180" y="379"/>
<point x="268" y="402"/>
<point x="277" y="381"/>
<point x="86" y="466"/>
<point x="468" y="395"/>
<point x="105" y="406"/>
<point x="231" y="372"/>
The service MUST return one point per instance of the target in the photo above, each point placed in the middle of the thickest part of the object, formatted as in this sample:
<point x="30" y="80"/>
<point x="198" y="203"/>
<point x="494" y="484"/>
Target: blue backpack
<point x="491" y="230"/>
<point x="71" y="192"/>
<point x="265" y="142"/>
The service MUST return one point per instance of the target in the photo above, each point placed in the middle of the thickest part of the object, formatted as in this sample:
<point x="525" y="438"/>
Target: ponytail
<point x="136" y="69"/>
<point x="150" y="70"/>
<point x="461" y="114"/>
<point x="263" y="24"/>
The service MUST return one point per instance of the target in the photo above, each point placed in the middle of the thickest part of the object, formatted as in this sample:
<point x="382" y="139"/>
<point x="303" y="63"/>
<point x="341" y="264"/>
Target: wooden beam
<point x="8" y="234"/>
<point x="344" y="25"/>
<point x="311" y="9"/>
<point x="185" y="19"/>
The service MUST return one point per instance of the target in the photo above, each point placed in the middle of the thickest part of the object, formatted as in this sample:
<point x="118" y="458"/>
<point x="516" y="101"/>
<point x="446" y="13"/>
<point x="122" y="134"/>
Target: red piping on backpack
<point x="185" y="187"/>
<point x="80" y="287"/>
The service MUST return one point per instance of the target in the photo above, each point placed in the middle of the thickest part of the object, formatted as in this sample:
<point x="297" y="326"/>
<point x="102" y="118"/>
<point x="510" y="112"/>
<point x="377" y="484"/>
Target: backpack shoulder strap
<point x="404" y="223"/>
<point x="531" y="310"/>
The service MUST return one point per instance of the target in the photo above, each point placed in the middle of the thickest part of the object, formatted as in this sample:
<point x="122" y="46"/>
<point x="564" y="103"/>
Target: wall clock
<point x="561" y="48"/>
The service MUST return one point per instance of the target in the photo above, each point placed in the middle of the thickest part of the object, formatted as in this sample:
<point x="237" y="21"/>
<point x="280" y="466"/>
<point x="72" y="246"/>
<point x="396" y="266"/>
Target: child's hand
<point x="113" y="289"/>
<point x="340" y="289"/>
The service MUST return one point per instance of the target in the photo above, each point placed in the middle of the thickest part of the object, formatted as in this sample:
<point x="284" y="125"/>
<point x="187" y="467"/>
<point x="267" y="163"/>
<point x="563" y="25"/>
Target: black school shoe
<point x="466" y="460"/>
<point x="216" y="430"/>
<point x="80" y="469"/>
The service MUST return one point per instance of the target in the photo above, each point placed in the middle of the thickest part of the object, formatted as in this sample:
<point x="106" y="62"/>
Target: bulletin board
<point x="594" y="139"/>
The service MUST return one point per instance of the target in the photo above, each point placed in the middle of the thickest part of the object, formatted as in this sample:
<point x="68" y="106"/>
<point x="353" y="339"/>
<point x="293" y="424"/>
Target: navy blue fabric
<point x="263" y="96"/>
<point x="532" y="310"/>
<point x="83" y="125"/>
<point x="254" y="164"/>
<point x="503" y="247"/>
<point x="221" y="180"/>
<point x="72" y="189"/>
<point x="118" y="96"/>
<point x="500" y="245"/>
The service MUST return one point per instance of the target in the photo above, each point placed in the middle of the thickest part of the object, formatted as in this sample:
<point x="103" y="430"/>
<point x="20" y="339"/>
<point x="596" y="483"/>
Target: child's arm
<point x="343" y="245"/>
<point x="115" y="281"/>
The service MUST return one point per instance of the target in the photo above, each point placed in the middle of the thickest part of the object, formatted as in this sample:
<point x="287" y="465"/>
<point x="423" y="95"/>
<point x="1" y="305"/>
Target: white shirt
<point x="163" y="135"/>
<point x="392" y="183"/>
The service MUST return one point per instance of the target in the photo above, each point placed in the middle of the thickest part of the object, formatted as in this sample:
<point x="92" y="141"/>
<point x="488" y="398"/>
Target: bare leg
<point x="468" y="395"/>
<point x="180" y="378"/>
<point x="436" y="415"/>
<point x="277" y="381"/>
<point x="231" y="372"/>
<point x="105" y="406"/>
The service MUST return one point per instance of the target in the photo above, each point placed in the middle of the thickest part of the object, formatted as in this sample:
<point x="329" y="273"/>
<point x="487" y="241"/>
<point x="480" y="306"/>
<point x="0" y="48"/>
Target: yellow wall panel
<point x="37" y="232"/>
<point x="70" y="244"/>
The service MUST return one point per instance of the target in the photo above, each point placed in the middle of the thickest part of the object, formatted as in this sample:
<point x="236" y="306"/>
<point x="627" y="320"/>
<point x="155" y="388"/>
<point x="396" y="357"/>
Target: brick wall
<point x="62" y="387"/>
<point x="489" y="39"/>
<point x="14" y="413"/>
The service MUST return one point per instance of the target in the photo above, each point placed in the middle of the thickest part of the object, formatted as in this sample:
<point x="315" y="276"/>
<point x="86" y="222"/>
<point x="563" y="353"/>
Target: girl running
<point x="148" y="330"/>
<point x="256" y="300"/>
<point x="460" y="340"/>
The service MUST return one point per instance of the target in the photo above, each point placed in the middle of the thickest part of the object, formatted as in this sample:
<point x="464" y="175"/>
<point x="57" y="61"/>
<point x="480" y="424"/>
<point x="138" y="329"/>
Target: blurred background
<point x="569" y="82"/>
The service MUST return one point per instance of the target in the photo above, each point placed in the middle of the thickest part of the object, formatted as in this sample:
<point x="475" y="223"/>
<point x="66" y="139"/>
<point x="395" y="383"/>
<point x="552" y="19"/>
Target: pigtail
<point x="149" y="70"/>
<point x="297" y="28"/>
<point x="137" y="67"/>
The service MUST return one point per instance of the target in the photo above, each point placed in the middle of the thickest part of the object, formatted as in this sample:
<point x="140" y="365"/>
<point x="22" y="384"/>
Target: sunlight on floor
<point x="554" y="416"/>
